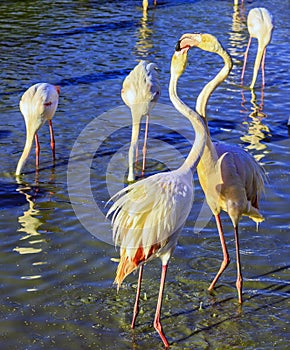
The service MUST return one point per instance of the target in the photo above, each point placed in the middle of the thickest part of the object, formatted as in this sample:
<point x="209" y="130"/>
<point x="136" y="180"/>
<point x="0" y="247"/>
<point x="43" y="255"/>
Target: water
<point x="56" y="272"/>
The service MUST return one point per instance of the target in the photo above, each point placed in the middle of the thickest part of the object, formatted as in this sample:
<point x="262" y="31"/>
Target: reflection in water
<point x="257" y="130"/>
<point x="30" y="222"/>
<point x="144" y="41"/>
<point x="237" y="34"/>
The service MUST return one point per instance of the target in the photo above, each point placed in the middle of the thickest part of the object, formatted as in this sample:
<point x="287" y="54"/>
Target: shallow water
<point x="56" y="275"/>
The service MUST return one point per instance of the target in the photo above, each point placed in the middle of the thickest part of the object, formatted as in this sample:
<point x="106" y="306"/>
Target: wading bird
<point x="230" y="177"/>
<point x="148" y="215"/>
<point x="260" y="26"/>
<point x="145" y="4"/>
<point x="140" y="93"/>
<point x="236" y="2"/>
<point x="38" y="104"/>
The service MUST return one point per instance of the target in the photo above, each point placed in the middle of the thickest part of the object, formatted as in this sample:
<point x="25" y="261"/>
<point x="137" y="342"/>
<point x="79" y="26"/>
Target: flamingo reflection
<point x="257" y="131"/>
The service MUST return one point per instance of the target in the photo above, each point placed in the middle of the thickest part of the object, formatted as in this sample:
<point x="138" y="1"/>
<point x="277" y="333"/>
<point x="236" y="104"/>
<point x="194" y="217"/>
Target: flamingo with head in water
<point x="260" y="26"/>
<point x="140" y="93"/>
<point x="38" y="105"/>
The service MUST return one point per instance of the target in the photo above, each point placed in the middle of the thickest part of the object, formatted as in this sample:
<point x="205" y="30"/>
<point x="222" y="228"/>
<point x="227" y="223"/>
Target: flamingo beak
<point x="181" y="49"/>
<point x="178" y="47"/>
<point x="185" y="43"/>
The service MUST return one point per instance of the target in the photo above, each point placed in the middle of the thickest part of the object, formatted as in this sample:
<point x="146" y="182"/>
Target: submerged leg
<point x="239" y="282"/>
<point x="136" y="306"/>
<point x="52" y="142"/>
<point x="157" y="323"/>
<point x="37" y="151"/>
<point x="245" y="60"/>
<point x="145" y="145"/>
<point x="226" y="259"/>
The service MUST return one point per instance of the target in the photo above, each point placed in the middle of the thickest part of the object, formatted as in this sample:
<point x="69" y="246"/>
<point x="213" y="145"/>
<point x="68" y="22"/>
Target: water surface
<point x="57" y="275"/>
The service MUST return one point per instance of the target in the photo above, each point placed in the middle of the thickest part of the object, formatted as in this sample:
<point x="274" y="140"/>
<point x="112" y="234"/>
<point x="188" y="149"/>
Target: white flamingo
<point x="140" y="93"/>
<point x="260" y="26"/>
<point x="38" y="105"/>
<point x="148" y="215"/>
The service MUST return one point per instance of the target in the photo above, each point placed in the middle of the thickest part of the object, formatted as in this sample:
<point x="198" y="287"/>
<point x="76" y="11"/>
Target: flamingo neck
<point x="259" y="56"/>
<point x="210" y="157"/>
<point x="26" y="151"/>
<point x="206" y="92"/>
<point x="198" y="125"/>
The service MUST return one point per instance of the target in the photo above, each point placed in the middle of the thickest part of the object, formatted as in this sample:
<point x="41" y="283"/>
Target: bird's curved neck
<point x="200" y="134"/>
<point x="30" y="134"/>
<point x="260" y="53"/>
<point x="26" y="152"/>
<point x="210" y="157"/>
<point x="206" y="92"/>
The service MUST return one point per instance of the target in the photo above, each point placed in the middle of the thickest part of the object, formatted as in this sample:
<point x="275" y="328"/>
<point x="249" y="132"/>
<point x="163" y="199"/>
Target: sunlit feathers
<point x="38" y="105"/>
<point x="140" y="93"/>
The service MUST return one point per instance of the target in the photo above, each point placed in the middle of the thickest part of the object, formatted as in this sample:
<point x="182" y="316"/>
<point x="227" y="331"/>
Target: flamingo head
<point x="206" y="42"/>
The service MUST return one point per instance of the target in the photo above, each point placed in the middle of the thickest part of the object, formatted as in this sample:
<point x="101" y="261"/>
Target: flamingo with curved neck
<point x="148" y="215"/>
<point x="38" y="105"/>
<point x="260" y="26"/>
<point x="230" y="177"/>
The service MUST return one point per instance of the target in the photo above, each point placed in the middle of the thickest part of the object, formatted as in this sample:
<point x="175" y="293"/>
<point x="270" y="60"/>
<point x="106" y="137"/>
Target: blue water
<point x="56" y="271"/>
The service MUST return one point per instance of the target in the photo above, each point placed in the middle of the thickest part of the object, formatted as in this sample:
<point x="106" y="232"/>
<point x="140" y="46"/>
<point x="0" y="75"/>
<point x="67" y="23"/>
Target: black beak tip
<point x="177" y="47"/>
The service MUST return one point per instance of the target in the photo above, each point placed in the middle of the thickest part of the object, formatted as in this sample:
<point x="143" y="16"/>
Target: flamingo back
<point x="243" y="181"/>
<point x="141" y="87"/>
<point x="260" y="25"/>
<point x="147" y="217"/>
<point x="39" y="104"/>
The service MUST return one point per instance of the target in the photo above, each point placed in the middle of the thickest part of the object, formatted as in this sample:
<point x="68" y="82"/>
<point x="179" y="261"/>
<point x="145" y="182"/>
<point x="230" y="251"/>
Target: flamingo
<point x="38" y="104"/>
<point x="148" y="215"/>
<point x="140" y="93"/>
<point x="230" y="177"/>
<point x="145" y="4"/>
<point x="260" y="26"/>
<point x="236" y="2"/>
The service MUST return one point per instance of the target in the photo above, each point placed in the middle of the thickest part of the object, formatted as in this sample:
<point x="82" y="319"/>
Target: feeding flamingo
<point x="260" y="26"/>
<point x="145" y="5"/>
<point x="140" y="93"/>
<point x="38" y="105"/>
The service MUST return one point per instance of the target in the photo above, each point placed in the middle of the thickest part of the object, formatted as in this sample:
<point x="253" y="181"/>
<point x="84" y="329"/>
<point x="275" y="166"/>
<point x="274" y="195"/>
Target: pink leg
<point x="52" y="142"/>
<point x="145" y="145"/>
<point x="136" y="159"/>
<point x="245" y="60"/>
<point x="226" y="259"/>
<point x="157" y="323"/>
<point x="263" y="68"/>
<point x="136" y="306"/>
<point x="239" y="282"/>
<point x="262" y="99"/>
<point x="37" y="151"/>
